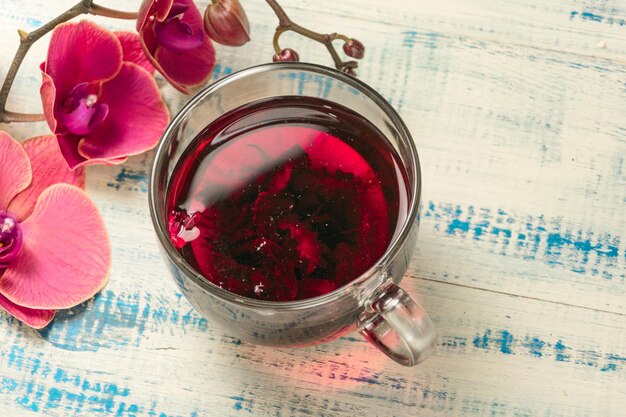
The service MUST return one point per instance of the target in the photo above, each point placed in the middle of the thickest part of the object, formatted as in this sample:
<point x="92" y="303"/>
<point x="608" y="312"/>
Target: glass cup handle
<point x="398" y="326"/>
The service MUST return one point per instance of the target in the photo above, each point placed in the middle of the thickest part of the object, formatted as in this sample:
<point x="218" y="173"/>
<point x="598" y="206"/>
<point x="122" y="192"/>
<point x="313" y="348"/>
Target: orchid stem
<point x="285" y="24"/>
<point x="27" y="39"/>
<point x="10" y="116"/>
<point x="97" y="10"/>
<point x="283" y="19"/>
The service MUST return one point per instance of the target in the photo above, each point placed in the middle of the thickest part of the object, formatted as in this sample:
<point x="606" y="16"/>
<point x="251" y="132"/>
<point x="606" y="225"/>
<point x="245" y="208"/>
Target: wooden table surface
<point x="518" y="109"/>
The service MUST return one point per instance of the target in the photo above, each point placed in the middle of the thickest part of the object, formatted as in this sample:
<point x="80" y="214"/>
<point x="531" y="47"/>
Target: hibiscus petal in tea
<point x="286" y="199"/>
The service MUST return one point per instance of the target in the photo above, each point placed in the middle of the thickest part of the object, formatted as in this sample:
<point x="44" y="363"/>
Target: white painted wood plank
<point x="510" y="354"/>
<point x="579" y="26"/>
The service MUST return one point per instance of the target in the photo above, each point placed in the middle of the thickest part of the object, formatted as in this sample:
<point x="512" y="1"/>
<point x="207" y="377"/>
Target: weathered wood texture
<point x="518" y="109"/>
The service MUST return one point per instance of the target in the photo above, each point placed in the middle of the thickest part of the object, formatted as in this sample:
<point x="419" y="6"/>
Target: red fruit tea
<point x="286" y="199"/>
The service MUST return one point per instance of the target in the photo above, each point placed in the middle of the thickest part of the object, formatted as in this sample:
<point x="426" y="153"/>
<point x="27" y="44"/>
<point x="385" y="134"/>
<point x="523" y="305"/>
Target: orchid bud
<point x="226" y="22"/>
<point x="286" y="55"/>
<point x="353" y="48"/>
<point x="349" y="71"/>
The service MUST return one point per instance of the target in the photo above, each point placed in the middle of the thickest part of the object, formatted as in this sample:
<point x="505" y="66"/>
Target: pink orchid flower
<point x="54" y="249"/>
<point x="98" y="98"/>
<point x="173" y="37"/>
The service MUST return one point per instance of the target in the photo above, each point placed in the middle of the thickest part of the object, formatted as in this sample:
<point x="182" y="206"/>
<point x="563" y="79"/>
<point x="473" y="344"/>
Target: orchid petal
<point x="132" y="50"/>
<point x="149" y="42"/>
<point x="136" y="120"/>
<point x="177" y="9"/>
<point x="192" y="15"/>
<point x="35" y="318"/>
<point x="160" y="9"/>
<point x="82" y="52"/>
<point x="178" y="36"/>
<point x="190" y="67"/>
<point x="183" y="89"/>
<point x="143" y="13"/>
<point x="75" y="160"/>
<point x="150" y="47"/>
<point x="145" y="9"/>
<point x="48" y="167"/>
<point x="68" y="144"/>
<point x="15" y="170"/>
<point x="48" y="97"/>
<point x="66" y="255"/>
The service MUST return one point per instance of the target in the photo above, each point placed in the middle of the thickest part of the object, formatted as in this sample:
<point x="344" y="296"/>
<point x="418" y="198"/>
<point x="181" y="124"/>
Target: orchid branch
<point x="285" y="24"/>
<point x="27" y="39"/>
<point x="351" y="47"/>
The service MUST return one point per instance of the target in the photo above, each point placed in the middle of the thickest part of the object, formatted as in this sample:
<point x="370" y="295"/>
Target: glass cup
<point x="382" y="312"/>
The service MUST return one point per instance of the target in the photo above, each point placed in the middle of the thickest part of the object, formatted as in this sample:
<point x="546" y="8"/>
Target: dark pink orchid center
<point x="176" y="35"/>
<point x="81" y="113"/>
<point x="11" y="239"/>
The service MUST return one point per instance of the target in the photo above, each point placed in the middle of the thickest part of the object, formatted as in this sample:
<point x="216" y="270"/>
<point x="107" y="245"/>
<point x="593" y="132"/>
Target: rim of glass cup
<point x="158" y="219"/>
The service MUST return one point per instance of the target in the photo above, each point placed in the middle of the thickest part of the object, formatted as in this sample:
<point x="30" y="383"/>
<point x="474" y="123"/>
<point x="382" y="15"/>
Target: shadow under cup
<point x="384" y="314"/>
